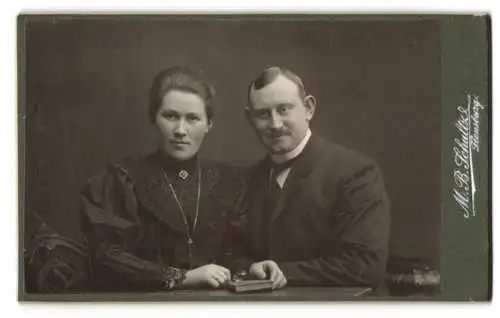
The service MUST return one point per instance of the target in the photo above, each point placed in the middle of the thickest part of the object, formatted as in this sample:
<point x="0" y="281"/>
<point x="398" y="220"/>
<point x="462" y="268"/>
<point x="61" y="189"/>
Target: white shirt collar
<point x="280" y="158"/>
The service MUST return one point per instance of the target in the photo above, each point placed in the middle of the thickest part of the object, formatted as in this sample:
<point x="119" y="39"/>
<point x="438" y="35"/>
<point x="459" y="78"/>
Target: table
<point x="286" y="294"/>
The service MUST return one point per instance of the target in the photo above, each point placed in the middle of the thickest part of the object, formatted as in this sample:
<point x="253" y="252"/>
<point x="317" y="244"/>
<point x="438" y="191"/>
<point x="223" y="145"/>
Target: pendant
<point x="190" y="241"/>
<point x="183" y="174"/>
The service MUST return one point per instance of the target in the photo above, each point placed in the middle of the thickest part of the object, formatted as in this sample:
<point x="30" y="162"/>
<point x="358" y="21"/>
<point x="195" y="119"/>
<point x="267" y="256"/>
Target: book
<point x="253" y="285"/>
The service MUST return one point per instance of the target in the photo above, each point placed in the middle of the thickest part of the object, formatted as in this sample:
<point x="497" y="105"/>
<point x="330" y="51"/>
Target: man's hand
<point x="211" y="274"/>
<point x="268" y="270"/>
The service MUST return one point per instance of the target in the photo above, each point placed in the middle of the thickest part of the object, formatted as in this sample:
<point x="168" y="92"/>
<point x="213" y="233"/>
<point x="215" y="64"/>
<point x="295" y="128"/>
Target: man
<point x="317" y="213"/>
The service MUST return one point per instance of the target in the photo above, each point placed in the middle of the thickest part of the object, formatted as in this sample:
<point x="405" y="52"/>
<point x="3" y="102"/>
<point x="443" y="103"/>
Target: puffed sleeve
<point x="109" y="213"/>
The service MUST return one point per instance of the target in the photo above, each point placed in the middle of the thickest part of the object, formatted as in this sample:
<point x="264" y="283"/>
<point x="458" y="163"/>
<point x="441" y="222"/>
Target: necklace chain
<point x="190" y="234"/>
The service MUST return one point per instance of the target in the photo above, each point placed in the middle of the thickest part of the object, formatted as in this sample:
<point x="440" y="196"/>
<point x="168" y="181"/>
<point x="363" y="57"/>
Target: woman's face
<point x="183" y="123"/>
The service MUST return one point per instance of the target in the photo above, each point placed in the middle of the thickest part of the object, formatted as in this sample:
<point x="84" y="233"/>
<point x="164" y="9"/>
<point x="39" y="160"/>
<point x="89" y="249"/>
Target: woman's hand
<point x="211" y="274"/>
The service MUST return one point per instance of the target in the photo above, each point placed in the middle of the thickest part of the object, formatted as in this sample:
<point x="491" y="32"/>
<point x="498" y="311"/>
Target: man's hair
<point x="181" y="79"/>
<point x="270" y="74"/>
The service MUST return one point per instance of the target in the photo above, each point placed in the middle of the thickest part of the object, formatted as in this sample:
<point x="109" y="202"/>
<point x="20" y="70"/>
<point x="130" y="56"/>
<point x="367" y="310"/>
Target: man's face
<point x="279" y="115"/>
<point x="183" y="123"/>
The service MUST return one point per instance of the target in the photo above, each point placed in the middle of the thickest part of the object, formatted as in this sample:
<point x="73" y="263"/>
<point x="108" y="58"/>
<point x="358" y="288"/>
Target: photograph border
<point x="466" y="243"/>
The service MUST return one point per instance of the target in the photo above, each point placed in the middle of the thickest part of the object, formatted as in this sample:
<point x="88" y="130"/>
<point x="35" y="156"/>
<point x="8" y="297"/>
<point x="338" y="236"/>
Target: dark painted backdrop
<point x="377" y="83"/>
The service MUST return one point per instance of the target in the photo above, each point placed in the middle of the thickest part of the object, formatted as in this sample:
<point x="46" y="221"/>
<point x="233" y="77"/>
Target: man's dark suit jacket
<point x="331" y="223"/>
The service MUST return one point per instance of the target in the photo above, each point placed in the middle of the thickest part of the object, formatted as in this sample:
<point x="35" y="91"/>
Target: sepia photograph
<point x="254" y="157"/>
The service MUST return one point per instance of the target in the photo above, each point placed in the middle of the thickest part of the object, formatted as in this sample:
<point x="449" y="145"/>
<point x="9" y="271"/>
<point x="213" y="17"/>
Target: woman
<point x="158" y="222"/>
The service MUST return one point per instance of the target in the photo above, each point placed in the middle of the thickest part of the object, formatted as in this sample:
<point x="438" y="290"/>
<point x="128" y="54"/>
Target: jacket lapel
<point x="301" y="168"/>
<point x="258" y="188"/>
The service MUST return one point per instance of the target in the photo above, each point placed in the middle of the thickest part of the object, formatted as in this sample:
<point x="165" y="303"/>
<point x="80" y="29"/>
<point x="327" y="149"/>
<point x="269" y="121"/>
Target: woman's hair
<point x="181" y="79"/>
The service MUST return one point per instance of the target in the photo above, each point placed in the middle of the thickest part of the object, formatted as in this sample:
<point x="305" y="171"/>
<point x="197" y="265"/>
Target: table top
<point x="285" y="294"/>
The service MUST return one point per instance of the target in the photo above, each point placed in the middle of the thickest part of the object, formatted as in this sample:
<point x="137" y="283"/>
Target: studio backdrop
<point x="377" y="84"/>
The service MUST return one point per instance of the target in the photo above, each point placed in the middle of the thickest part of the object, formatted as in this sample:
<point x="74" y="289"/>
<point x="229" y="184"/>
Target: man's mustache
<point x="277" y="133"/>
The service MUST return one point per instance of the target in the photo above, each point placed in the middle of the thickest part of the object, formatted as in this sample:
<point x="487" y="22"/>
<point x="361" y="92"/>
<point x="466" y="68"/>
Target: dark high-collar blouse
<point x="186" y="179"/>
<point x="136" y="232"/>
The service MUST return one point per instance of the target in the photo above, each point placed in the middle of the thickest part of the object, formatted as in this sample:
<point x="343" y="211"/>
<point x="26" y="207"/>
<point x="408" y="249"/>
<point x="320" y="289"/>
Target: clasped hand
<point x="210" y="274"/>
<point x="215" y="275"/>
<point x="269" y="270"/>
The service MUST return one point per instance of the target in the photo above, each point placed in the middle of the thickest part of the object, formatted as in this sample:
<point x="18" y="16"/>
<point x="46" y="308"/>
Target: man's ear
<point x="248" y="114"/>
<point x="210" y="124"/>
<point x="310" y="105"/>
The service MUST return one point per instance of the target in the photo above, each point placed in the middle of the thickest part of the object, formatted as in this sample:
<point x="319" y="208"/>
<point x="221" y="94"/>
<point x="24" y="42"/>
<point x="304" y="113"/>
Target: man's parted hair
<point x="270" y="74"/>
<point x="181" y="79"/>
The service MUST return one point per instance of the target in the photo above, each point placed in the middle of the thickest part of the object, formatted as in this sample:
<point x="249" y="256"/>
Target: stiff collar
<point x="281" y="158"/>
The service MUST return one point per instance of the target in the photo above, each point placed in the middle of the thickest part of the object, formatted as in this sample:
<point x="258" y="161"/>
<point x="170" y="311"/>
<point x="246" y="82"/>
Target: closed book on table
<point x="241" y="286"/>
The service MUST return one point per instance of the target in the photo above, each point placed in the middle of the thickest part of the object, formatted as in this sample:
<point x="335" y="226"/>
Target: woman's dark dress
<point x="137" y="236"/>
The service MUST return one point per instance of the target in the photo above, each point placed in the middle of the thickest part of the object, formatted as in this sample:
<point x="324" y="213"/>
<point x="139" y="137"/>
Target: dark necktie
<point x="278" y="168"/>
<point x="274" y="194"/>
